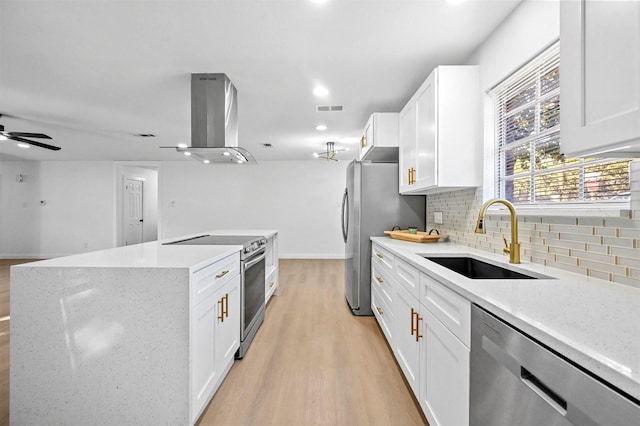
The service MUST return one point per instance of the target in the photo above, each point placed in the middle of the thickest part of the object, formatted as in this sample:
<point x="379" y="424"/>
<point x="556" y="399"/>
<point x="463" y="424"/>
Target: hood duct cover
<point x="214" y="121"/>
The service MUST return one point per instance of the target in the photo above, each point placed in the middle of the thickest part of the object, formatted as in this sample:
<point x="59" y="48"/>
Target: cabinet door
<point x="407" y="143"/>
<point x="444" y="375"/>
<point x="407" y="345"/>
<point x="204" y="374"/>
<point x="366" y="142"/>
<point x="228" y="324"/>
<point x="426" y="133"/>
<point x="600" y="83"/>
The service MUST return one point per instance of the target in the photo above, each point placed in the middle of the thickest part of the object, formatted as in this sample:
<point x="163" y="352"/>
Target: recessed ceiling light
<point x="321" y="127"/>
<point x="320" y="91"/>
<point x="226" y="153"/>
<point x="23" y="145"/>
<point x="187" y="153"/>
<point x="3" y="138"/>
<point x="182" y="145"/>
<point x="206" y="161"/>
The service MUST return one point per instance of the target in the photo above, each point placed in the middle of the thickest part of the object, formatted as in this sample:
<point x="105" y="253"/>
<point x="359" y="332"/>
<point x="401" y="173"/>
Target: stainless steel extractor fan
<point x="21" y="137"/>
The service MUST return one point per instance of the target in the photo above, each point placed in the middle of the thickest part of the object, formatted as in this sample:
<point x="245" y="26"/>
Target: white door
<point x="132" y="211"/>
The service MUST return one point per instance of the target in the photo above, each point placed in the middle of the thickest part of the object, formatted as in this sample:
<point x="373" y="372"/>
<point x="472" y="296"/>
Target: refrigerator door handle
<point x="345" y="212"/>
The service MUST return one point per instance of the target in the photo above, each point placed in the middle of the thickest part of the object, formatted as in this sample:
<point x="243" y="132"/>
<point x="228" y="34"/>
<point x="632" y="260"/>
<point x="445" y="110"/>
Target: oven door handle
<point x="248" y="265"/>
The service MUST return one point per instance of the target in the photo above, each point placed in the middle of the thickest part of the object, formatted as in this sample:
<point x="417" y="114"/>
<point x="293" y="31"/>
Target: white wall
<point x="19" y="209"/>
<point x="300" y="199"/>
<point x="80" y="212"/>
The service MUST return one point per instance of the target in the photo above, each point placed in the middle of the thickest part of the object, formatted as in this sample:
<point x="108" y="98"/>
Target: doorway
<point x="136" y="203"/>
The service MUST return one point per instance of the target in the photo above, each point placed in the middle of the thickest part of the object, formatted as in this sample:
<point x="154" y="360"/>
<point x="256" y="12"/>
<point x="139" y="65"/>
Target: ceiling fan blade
<point x="34" y="143"/>
<point x="30" y="135"/>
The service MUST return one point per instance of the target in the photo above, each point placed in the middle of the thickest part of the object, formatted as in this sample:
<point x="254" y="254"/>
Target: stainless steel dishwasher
<point x="517" y="381"/>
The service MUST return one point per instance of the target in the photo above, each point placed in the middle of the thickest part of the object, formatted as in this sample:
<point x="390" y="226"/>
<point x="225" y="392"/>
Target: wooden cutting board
<point x="419" y="237"/>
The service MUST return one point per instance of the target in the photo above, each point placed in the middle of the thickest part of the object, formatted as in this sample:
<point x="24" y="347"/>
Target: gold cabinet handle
<point x="418" y="319"/>
<point x="413" y="329"/>
<point x="409" y="176"/>
<point x="363" y="141"/>
<point x="226" y="305"/>
<point x="380" y="280"/>
<point x="221" y="310"/>
<point x="379" y="255"/>
<point x="379" y="309"/>
<point x="272" y="284"/>
<point x="221" y="274"/>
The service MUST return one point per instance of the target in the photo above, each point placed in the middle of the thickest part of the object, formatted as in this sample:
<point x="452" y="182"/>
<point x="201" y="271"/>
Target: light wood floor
<point x="311" y="363"/>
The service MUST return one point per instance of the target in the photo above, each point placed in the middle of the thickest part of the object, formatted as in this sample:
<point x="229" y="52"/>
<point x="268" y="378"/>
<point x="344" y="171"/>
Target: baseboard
<point x="310" y="256"/>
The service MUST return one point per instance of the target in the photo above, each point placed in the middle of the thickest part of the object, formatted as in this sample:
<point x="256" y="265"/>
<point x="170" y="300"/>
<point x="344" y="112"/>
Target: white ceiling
<point x="93" y="73"/>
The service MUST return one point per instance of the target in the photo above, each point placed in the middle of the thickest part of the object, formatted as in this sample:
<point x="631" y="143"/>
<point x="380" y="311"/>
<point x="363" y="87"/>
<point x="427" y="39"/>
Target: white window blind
<point x="531" y="168"/>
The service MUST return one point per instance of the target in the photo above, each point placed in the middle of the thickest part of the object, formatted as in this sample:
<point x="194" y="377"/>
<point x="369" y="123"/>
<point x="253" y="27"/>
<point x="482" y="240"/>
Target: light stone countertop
<point x="153" y="254"/>
<point x="593" y="322"/>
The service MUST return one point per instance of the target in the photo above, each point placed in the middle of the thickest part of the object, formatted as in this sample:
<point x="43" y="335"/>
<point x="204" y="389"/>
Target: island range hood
<point x="214" y="121"/>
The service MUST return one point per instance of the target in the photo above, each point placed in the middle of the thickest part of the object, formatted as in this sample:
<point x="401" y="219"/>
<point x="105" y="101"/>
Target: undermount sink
<point x="477" y="269"/>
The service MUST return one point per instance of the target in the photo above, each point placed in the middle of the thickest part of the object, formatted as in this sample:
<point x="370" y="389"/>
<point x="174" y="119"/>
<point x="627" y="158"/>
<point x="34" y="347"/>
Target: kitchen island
<point x="123" y="336"/>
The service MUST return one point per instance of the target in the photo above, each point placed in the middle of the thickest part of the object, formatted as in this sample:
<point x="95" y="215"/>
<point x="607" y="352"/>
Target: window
<point x="531" y="168"/>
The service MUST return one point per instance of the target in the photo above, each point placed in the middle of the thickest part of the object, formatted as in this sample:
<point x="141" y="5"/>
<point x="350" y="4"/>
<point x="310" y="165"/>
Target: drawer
<point x="205" y="281"/>
<point x="270" y="285"/>
<point x="382" y="280"/>
<point x="383" y="314"/>
<point x="382" y="256"/>
<point x="408" y="277"/>
<point x="451" y="309"/>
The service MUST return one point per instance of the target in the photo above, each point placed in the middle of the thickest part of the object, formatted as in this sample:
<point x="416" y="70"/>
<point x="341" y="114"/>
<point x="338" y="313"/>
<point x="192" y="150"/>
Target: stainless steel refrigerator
<point x="371" y="204"/>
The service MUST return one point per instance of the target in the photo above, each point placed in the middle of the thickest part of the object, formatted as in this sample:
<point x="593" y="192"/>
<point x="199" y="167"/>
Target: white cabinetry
<point x="380" y="136"/>
<point x="439" y="133"/>
<point x="431" y="338"/>
<point x="215" y="328"/>
<point x="272" y="282"/>
<point x="600" y="54"/>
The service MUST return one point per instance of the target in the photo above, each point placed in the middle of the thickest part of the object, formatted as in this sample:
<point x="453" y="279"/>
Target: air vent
<point x="328" y="108"/>
<point x="267" y="145"/>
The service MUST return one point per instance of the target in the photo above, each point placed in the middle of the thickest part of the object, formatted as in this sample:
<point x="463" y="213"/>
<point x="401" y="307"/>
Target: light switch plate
<point x="437" y="218"/>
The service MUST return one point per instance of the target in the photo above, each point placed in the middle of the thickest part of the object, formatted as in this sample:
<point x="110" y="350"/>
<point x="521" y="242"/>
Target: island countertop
<point x="594" y="323"/>
<point x="154" y="254"/>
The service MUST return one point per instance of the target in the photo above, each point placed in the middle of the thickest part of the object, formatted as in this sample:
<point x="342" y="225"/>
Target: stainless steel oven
<point x="252" y="297"/>
<point x="252" y="275"/>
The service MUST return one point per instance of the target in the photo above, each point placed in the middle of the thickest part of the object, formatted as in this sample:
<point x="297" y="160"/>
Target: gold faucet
<point x="514" y="248"/>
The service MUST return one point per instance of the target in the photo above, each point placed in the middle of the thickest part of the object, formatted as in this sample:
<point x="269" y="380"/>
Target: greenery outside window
<point x="531" y="168"/>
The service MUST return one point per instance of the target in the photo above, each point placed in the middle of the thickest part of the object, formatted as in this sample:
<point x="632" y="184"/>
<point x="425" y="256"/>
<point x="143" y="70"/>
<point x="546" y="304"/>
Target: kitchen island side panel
<point x="99" y="345"/>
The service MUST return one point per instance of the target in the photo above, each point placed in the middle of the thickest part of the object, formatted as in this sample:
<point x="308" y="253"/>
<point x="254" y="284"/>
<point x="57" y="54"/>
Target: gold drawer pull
<point x="272" y="284"/>
<point x="413" y="315"/>
<point x="221" y="274"/>
<point x="379" y="310"/>
<point x="380" y="280"/>
<point x="379" y="255"/>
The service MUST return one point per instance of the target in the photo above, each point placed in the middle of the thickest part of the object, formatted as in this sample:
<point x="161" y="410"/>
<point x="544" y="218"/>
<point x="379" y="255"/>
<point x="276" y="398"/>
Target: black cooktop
<point x="217" y="240"/>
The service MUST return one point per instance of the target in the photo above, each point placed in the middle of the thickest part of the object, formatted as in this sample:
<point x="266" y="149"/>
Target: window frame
<point x="494" y="157"/>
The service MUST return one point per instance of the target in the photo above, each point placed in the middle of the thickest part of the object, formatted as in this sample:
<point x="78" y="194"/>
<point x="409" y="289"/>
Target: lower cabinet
<point x="428" y="341"/>
<point x="444" y="375"/>
<point x="408" y="338"/>
<point x="215" y="337"/>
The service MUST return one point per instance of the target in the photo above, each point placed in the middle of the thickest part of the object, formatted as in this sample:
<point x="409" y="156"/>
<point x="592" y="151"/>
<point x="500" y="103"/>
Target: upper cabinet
<point x="600" y="63"/>
<point x="440" y="134"/>
<point x="379" y="141"/>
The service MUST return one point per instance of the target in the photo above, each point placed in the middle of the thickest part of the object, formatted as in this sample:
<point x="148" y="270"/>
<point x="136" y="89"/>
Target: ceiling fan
<point x="20" y="137"/>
